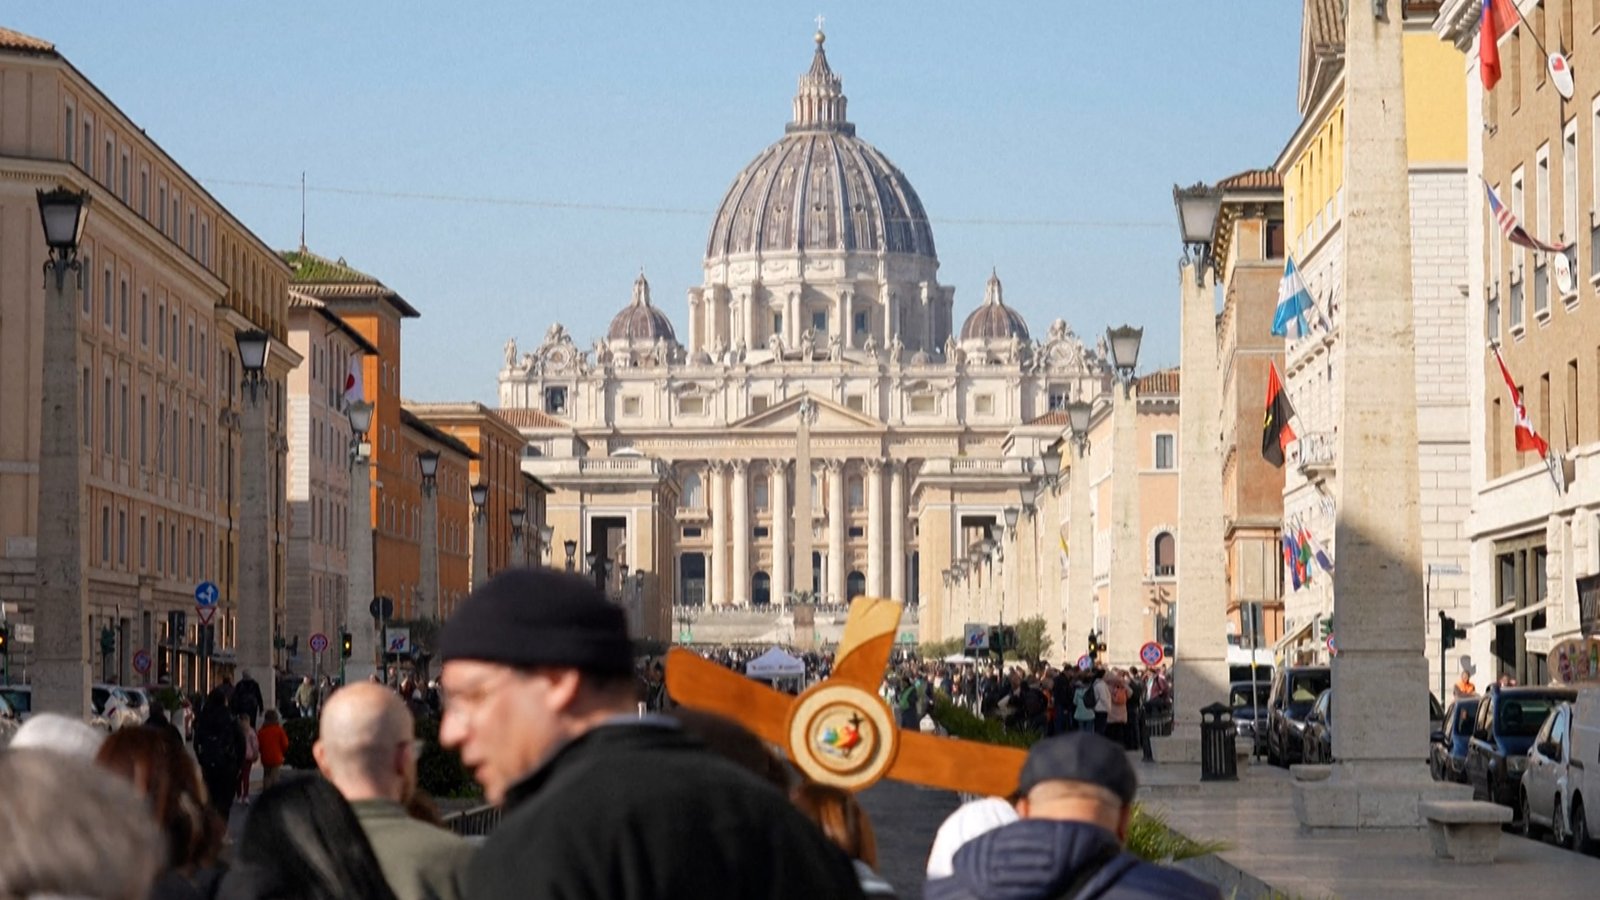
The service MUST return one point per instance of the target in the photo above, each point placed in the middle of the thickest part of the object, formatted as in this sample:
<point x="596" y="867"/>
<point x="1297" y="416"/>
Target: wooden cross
<point x="840" y="731"/>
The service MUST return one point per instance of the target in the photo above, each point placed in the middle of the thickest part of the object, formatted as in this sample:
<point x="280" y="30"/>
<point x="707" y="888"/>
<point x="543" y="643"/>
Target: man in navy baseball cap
<point x="1075" y="796"/>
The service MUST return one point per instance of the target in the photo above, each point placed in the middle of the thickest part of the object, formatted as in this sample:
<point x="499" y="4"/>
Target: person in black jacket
<point x="219" y="747"/>
<point x="598" y="802"/>
<point x="1076" y="802"/>
<point x="247" y="700"/>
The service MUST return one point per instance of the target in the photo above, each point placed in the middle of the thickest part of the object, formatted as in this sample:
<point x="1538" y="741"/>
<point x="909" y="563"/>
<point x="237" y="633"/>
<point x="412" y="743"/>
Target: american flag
<point x="1513" y="230"/>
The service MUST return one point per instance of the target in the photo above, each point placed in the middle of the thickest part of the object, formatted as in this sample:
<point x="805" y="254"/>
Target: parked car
<point x="1238" y="672"/>
<point x="1294" y="692"/>
<point x="1316" y="738"/>
<point x="20" y="698"/>
<point x="111" y="703"/>
<point x="1447" y="751"/>
<point x="1508" y="719"/>
<point x="1250" y="716"/>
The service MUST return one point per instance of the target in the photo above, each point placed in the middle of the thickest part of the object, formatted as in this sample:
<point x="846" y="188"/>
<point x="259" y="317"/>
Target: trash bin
<point x="1217" y="759"/>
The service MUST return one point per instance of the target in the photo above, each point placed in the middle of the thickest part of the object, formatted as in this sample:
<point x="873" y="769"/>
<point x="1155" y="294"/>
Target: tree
<point x="1033" y="640"/>
<point x="941" y="649"/>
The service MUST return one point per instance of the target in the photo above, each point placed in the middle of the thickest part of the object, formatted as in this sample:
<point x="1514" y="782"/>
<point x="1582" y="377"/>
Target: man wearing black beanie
<point x="598" y="802"/>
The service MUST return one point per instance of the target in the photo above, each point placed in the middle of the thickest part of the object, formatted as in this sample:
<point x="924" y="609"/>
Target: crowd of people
<point x="539" y="694"/>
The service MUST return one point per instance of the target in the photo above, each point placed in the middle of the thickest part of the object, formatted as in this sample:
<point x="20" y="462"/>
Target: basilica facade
<point x="821" y="429"/>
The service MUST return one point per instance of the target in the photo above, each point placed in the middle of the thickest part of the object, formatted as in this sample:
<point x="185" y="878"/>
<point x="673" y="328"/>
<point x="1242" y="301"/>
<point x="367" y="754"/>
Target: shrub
<point x="439" y="771"/>
<point x="302" y="734"/>
<point x="964" y="724"/>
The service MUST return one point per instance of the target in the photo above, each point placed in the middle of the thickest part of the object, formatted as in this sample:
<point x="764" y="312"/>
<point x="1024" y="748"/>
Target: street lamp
<point x="480" y="497"/>
<point x="546" y="534"/>
<point x="519" y="517"/>
<point x="257" y="626"/>
<point x="1198" y="207"/>
<point x="1078" y="414"/>
<point x="480" y="534"/>
<point x="63" y="212"/>
<point x="360" y="591"/>
<point x="1012" y="514"/>
<point x="1124" y="342"/>
<point x="428" y="462"/>
<point x="253" y="346"/>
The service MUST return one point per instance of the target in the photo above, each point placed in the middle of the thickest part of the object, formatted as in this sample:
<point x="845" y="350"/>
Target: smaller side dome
<point x="994" y="320"/>
<point x="639" y="320"/>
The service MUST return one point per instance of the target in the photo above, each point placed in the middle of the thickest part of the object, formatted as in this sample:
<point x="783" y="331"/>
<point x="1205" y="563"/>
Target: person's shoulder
<point x="1147" y="879"/>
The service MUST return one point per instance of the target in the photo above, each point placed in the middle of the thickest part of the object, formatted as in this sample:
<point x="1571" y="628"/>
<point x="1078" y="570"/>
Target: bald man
<point x="367" y="751"/>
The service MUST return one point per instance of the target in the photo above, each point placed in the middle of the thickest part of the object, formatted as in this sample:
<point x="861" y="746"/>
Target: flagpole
<point x="1524" y="20"/>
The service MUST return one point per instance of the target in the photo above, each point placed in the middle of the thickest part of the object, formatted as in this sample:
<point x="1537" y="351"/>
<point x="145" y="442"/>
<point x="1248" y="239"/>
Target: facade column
<point x="61" y="673"/>
<point x="837" y="566"/>
<point x="428" y="605"/>
<point x="480" y="546"/>
<point x="897" y="533"/>
<point x="717" y="474"/>
<point x="778" y="493"/>
<point x="1125" y="620"/>
<point x="253" y="649"/>
<point x="874" y="488"/>
<point x="360" y="591"/>
<point x="741" y="533"/>
<point x="803" y="503"/>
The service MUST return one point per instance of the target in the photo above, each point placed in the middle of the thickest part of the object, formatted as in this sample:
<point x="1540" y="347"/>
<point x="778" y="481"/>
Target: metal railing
<point x="480" y="821"/>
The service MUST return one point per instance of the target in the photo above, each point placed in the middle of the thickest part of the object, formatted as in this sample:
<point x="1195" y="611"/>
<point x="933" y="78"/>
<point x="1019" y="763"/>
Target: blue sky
<point x="1073" y="114"/>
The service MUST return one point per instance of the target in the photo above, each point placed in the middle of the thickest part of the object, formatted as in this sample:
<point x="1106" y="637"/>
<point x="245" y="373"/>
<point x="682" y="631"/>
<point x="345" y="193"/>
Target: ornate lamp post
<point x="428" y="596"/>
<point x="546" y="534"/>
<point x="571" y="547"/>
<point x="1127" y="561"/>
<point x="62" y="671"/>
<point x="480" y="534"/>
<point x="257" y="624"/>
<point x="519" y="518"/>
<point x="1198" y="207"/>
<point x="358" y="600"/>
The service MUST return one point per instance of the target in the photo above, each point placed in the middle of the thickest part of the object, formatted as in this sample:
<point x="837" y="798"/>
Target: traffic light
<point x="346" y="645"/>
<point x="1094" y="642"/>
<point x="108" y="642"/>
<point x="5" y="640"/>
<point x="996" y="640"/>
<point x="1449" y="632"/>
<point x="1326" y="624"/>
<point x="1009" y="640"/>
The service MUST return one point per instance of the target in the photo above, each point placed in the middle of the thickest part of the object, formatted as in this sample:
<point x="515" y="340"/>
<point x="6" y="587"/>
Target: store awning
<point x="1293" y="637"/>
<point x="1506" y="612"/>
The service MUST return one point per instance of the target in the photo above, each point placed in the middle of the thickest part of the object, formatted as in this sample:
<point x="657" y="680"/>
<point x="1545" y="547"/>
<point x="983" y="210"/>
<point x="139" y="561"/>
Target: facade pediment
<point x="830" y="416"/>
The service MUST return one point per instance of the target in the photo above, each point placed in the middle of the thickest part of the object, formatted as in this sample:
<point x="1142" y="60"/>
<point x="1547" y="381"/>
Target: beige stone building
<point x="821" y="303"/>
<point x="170" y="277"/>
<point x="1312" y="166"/>
<point x="1532" y="541"/>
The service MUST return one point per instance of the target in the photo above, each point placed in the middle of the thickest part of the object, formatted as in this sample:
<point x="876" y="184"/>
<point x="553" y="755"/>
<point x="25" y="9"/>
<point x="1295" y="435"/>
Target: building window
<point x="105" y="416"/>
<point x="161" y="329"/>
<point x="122" y="307"/>
<point x="983" y="404"/>
<point x="924" y="403"/>
<point x="762" y="531"/>
<point x="1569" y="179"/>
<point x="1166" y="555"/>
<point x="105" y="535"/>
<point x="693" y="493"/>
<point x="161" y="207"/>
<point x="856" y="491"/>
<point x="144" y="318"/>
<point x="855" y="531"/>
<point x="1058" y="399"/>
<point x="760" y="403"/>
<point x="692" y="406"/>
<point x="630" y="406"/>
<point x="777" y="323"/>
<point x="1541" y="207"/>
<point x="86" y="389"/>
<point x="105" y="298"/>
<point x="762" y="493"/>
<point x="1166" y="457"/>
<point x="692" y="531"/>
<point x="122" y="422"/>
<point x="860" y="324"/>
<point x="555" y="399"/>
<point x="122" y="537"/>
<point x="856" y="402"/>
<point x="144" y="193"/>
<point x="855" y="584"/>
<point x="760" y="589"/>
<point x="69" y="144"/>
<point x="144" y="430"/>
<point x="144" y="541"/>
<point x="160" y="543"/>
<point x="819" y="322"/>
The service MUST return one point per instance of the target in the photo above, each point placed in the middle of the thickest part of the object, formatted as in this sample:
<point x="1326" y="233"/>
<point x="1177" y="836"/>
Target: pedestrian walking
<point x="219" y="748"/>
<point x="597" y="801"/>
<point x="152" y="761"/>
<point x="305" y="697"/>
<point x="246" y="698"/>
<point x="842" y="819"/>
<point x="252" y="752"/>
<point x="302" y="840"/>
<point x="273" y="743"/>
<point x="1076" y="802"/>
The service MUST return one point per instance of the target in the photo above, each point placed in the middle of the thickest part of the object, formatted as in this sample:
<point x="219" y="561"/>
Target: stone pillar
<point x="480" y="547"/>
<point x="837" y="566"/>
<point x="61" y="674"/>
<point x="778" y="494"/>
<point x="717" y="474"/>
<point x="256" y="621"/>
<point x="741" y="533"/>
<point x="803" y="504"/>
<point x="696" y="316"/>
<point x="1126" y="627"/>
<point x="428" y="606"/>
<point x="874" y="488"/>
<point x="357" y="616"/>
<point x="1200" y="657"/>
<point x="897" y="533"/>
<point x="1380" y="733"/>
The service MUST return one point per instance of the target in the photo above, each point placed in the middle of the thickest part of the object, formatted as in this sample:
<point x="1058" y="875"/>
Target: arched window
<point x="855" y="584"/>
<point x="856" y="492"/>
<point x="1166" y="555"/>
<point x="692" y="584"/>
<point x="693" y="494"/>
<point x="760" y="589"/>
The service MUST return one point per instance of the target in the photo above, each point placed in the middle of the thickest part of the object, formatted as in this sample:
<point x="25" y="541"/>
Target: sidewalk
<point x="1270" y="853"/>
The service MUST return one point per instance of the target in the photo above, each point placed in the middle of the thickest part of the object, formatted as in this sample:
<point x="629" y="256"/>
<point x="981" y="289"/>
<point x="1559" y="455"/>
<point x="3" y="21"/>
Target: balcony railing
<point x="1317" y="453"/>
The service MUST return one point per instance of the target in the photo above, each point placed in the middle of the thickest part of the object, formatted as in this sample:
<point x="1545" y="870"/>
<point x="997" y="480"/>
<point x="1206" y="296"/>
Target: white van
<point x="1561" y="787"/>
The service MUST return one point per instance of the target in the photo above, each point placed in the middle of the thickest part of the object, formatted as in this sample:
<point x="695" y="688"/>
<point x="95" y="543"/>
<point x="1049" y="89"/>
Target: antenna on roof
<point x="302" y="211"/>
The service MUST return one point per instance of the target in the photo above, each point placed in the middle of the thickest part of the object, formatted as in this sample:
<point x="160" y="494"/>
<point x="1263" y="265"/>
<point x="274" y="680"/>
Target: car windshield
<point x="1466" y="711"/>
<point x="134" y="698"/>
<point x="98" y="696"/>
<point x="1304" y="687"/>
<point x="21" y="701"/>
<point x="1239" y="695"/>
<point x="1522" y="716"/>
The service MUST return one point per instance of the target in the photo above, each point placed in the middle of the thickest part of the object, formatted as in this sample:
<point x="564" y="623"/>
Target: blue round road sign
<point x="318" y="642"/>
<point x="1085" y="663"/>
<point x="206" y="594"/>
<point x="1150" y="654"/>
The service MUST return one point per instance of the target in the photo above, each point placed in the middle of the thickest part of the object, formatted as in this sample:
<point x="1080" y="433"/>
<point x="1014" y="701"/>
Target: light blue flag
<point x="1293" y="301"/>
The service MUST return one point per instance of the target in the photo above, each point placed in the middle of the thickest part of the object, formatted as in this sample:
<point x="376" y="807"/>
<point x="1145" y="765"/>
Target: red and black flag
<point x="1275" y="431"/>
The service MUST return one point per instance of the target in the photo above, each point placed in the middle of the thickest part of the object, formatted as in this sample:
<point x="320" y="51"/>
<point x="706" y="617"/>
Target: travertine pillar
<point x="837" y="566"/>
<point x="1200" y="654"/>
<point x="717" y="474"/>
<point x="1080" y="558"/>
<point x="1126" y="623"/>
<point x="778" y="493"/>
<point x="256" y="621"/>
<point x="359" y="589"/>
<point x="61" y="640"/>
<point x="897" y="533"/>
<point x="741" y="533"/>
<point x="803" y="503"/>
<point x="480" y="547"/>
<point x="1380" y="675"/>
<point x="428" y="606"/>
<point x="874" y="488"/>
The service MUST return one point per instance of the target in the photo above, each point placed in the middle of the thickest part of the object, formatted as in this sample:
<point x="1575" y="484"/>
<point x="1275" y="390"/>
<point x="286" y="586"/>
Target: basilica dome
<point x="994" y="320"/>
<point x="820" y="187"/>
<point x="640" y="320"/>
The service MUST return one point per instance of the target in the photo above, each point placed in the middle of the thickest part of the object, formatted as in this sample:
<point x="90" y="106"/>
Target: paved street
<point x="905" y="818"/>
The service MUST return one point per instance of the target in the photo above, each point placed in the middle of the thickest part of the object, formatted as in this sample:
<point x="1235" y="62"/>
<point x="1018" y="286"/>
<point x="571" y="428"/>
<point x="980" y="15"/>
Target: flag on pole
<point x="1293" y="300"/>
<point x="1275" y="431"/>
<point x="1513" y="230"/>
<point x="1499" y="17"/>
<point x="1304" y="540"/>
<point x="1527" y="438"/>
<point x="1290" y="560"/>
<point x="1321" y="554"/>
<point x="353" y="390"/>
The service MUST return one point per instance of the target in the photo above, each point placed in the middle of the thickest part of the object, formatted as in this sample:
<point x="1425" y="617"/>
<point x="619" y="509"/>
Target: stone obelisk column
<point x="1079" y="614"/>
<point x="1126" y="623"/>
<point x="1380" y="677"/>
<point x="1200" y="654"/>
<point x="257" y="624"/>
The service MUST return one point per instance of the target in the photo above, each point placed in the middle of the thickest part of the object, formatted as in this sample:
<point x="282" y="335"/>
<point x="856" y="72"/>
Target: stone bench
<point x="1467" y="831"/>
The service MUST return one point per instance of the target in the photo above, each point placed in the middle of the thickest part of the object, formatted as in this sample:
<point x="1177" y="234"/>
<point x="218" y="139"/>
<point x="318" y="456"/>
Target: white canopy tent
<point x="775" y="664"/>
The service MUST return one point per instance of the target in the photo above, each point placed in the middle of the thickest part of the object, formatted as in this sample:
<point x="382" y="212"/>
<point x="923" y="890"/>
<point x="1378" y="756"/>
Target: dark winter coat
<point x="247" y="699"/>
<point x="1042" y="859"/>
<point x="641" y="811"/>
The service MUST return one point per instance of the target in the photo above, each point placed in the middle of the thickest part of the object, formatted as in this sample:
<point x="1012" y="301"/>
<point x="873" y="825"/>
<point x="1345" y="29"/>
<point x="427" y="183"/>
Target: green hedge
<point x="439" y="771"/>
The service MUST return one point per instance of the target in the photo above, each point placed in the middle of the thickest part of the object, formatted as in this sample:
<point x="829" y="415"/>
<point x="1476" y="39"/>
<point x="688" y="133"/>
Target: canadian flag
<point x="353" y="392"/>
<point x="1527" y="438"/>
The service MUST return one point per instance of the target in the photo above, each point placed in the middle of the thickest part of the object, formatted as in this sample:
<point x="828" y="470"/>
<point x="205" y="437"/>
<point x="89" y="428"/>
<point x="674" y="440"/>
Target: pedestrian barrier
<point x="1217" y="759"/>
<point x="480" y="821"/>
